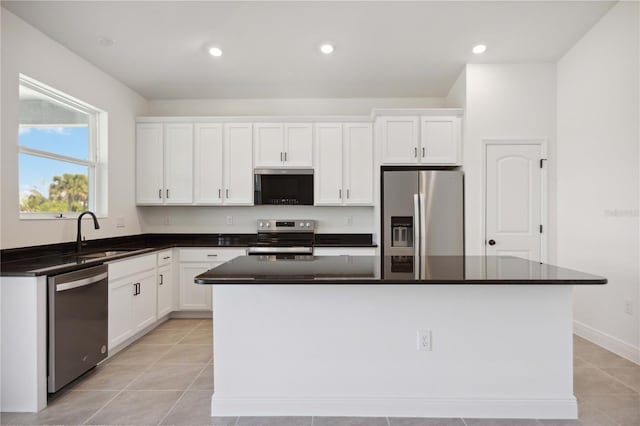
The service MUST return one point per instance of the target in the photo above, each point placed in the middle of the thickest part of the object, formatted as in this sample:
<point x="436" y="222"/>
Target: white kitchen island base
<point x="498" y="351"/>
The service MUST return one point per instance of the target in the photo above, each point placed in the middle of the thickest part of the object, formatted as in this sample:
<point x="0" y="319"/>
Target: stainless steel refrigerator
<point x="422" y="215"/>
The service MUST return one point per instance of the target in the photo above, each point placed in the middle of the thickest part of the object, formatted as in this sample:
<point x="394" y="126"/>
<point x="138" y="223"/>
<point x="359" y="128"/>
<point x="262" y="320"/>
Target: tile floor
<point x="130" y="389"/>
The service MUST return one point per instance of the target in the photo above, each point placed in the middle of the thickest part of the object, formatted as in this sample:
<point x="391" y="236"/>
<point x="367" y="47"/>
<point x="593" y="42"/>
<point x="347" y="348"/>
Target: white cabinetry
<point x="344" y="164"/>
<point x="165" y="283"/>
<point x="283" y="145"/>
<point x="207" y="164"/>
<point x="193" y="262"/>
<point x="344" y="251"/>
<point x="164" y="163"/>
<point x="238" y="164"/>
<point x="132" y="297"/>
<point x="426" y="139"/>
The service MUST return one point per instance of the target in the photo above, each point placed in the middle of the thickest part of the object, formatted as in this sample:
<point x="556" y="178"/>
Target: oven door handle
<point x="81" y="283"/>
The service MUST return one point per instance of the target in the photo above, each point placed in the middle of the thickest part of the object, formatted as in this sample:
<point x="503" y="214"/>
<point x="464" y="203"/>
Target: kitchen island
<point x="447" y="336"/>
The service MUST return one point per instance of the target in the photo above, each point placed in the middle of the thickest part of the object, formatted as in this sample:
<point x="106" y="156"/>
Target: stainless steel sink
<point x="101" y="254"/>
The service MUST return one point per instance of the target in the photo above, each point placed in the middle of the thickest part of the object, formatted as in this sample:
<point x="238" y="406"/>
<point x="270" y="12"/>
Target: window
<point x="61" y="154"/>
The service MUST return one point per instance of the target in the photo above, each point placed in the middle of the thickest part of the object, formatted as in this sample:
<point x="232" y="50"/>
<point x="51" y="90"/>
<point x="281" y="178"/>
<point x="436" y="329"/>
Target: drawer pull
<point x="212" y="255"/>
<point x="166" y="257"/>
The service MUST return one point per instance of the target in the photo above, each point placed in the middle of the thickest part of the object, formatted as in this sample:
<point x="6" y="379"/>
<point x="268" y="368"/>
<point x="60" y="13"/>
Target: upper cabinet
<point x="283" y="145"/>
<point x="164" y="163"/>
<point x="426" y="139"/>
<point x="344" y="164"/>
<point x="238" y="164"/>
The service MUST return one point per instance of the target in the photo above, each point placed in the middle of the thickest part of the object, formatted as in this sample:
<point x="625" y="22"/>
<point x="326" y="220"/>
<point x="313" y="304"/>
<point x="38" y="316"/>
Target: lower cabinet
<point x="165" y="283"/>
<point x="193" y="262"/>
<point x="132" y="297"/>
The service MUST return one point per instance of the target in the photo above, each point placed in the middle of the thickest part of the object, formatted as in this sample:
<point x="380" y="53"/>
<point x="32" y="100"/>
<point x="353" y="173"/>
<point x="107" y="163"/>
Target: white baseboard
<point x="613" y="344"/>
<point x="191" y="314"/>
<point x="565" y="408"/>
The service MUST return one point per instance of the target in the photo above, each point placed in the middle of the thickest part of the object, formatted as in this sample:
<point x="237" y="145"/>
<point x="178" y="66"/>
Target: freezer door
<point x="399" y="190"/>
<point x="442" y="208"/>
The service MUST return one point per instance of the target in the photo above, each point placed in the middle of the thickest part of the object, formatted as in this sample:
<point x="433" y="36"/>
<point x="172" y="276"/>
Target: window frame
<point x="97" y="152"/>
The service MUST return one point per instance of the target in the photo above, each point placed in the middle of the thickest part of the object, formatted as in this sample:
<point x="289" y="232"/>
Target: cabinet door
<point x="120" y="311"/>
<point x="358" y="164"/>
<point x="268" y="144"/>
<point x="400" y="141"/>
<point x="194" y="296"/>
<point x="298" y="145"/>
<point x="149" y="164"/>
<point x="238" y="164"/>
<point x="328" y="170"/>
<point x="145" y="302"/>
<point x="208" y="161"/>
<point x="178" y="163"/>
<point x="440" y="140"/>
<point x="165" y="291"/>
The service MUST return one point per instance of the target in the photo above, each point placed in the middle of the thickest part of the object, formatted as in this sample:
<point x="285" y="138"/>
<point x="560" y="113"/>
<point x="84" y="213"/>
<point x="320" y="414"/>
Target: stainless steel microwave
<point x="287" y="187"/>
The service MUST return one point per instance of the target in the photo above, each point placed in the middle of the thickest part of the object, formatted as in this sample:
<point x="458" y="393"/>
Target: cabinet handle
<point x="347" y="194"/>
<point x="219" y="193"/>
<point x="136" y="289"/>
<point x="285" y="157"/>
<point x="166" y="257"/>
<point x="415" y="152"/>
<point x="167" y="193"/>
<point x="227" y="193"/>
<point x="160" y="193"/>
<point x="340" y="193"/>
<point x="423" y="151"/>
<point x="212" y="255"/>
<point x="280" y="155"/>
<point x="161" y="279"/>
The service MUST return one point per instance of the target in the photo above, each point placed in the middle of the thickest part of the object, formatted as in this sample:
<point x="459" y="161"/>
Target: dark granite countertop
<point x="367" y="270"/>
<point x="53" y="259"/>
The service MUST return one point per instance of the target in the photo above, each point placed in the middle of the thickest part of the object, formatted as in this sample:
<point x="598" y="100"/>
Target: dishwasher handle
<point x="81" y="283"/>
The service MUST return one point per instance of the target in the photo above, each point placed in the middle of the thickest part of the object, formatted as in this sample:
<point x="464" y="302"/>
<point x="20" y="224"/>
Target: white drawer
<point x="165" y="257"/>
<point x="210" y="255"/>
<point x="122" y="268"/>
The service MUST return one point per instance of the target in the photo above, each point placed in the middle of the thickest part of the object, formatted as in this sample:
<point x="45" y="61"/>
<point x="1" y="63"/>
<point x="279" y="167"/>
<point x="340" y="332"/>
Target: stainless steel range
<point x="284" y="237"/>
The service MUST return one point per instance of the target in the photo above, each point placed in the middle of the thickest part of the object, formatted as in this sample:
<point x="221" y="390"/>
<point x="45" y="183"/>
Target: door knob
<point x="492" y="242"/>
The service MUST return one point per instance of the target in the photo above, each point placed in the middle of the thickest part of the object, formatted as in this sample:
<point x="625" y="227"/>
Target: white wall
<point x="457" y="96"/>
<point x="213" y="219"/>
<point x="28" y="51"/>
<point x="598" y="178"/>
<point x="302" y="106"/>
<point x="505" y="102"/>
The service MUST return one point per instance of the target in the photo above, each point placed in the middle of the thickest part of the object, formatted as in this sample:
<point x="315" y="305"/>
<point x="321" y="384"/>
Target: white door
<point x="165" y="290"/>
<point x="238" y="164"/>
<point x="400" y="140"/>
<point x="328" y="157"/>
<point x="149" y="164"/>
<point x="120" y="311"/>
<point x="298" y="145"/>
<point x="178" y="163"/>
<point x="208" y="161"/>
<point x="145" y="302"/>
<point x="194" y="296"/>
<point x="513" y="200"/>
<point x="440" y="140"/>
<point x="358" y="164"/>
<point x="268" y="144"/>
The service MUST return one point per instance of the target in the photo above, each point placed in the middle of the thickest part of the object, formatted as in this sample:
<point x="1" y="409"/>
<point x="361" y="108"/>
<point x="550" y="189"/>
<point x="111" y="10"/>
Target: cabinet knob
<point x="492" y="242"/>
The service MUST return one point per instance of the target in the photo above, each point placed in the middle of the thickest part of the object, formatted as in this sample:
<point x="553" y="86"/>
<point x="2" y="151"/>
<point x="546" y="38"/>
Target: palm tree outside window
<point x="61" y="154"/>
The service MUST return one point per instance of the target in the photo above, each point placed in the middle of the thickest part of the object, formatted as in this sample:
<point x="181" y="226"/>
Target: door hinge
<point x="541" y="229"/>
<point x="542" y="160"/>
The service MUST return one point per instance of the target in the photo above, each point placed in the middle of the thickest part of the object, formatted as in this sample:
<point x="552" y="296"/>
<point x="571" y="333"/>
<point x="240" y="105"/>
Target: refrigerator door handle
<point x="423" y="235"/>
<point x="416" y="236"/>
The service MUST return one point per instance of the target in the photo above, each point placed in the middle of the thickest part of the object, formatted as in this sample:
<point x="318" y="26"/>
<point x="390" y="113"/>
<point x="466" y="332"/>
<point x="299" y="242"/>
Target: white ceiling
<point x="382" y="49"/>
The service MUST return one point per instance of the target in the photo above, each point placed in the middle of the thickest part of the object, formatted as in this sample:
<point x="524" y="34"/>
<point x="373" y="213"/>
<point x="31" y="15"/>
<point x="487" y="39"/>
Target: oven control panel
<point x="289" y="225"/>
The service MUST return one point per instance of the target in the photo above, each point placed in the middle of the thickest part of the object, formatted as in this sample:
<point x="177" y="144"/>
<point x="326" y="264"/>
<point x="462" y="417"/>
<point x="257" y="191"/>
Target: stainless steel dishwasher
<point x="78" y="324"/>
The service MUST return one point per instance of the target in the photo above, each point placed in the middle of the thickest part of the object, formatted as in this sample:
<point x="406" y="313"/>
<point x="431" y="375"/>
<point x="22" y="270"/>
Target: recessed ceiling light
<point x="326" y="48"/>
<point x="479" y="49"/>
<point x="215" y="51"/>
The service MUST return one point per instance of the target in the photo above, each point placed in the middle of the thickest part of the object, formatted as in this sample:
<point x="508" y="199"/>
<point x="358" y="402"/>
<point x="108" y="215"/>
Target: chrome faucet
<point x="96" y="225"/>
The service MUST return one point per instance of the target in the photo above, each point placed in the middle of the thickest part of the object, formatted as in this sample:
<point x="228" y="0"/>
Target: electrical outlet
<point x="229" y="220"/>
<point x="167" y="220"/>
<point x="120" y="222"/>
<point x="424" y="340"/>
<point x="349" y="220"/>
<point x="628" y="307"/>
